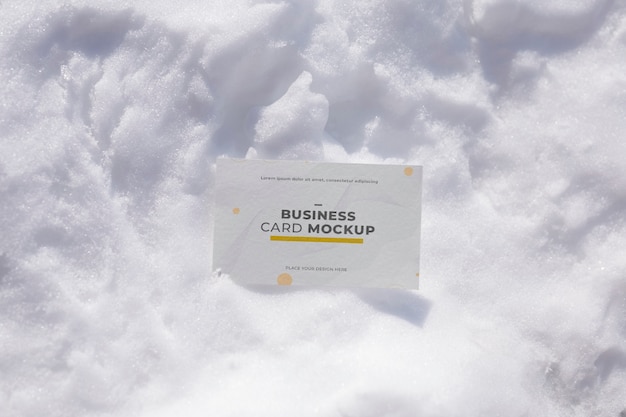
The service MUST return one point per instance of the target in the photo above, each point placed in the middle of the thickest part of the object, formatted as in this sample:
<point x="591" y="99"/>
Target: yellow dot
<point x="284" y="279"/>
<point x="408" y="171"/>
<point x="236" y="210"/>
<point x="417" y="275"/>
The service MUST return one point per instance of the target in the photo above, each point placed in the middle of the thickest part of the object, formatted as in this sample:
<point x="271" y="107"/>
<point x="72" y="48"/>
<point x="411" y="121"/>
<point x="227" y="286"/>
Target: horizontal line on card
<point x="317" y="239"/>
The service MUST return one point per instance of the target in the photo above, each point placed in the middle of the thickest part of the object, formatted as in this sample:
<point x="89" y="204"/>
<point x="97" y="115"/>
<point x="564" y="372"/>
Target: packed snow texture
<point x="113" y="114"/>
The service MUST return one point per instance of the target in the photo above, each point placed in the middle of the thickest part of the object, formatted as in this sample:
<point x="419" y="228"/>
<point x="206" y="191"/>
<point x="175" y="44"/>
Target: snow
<point x="112" y="116"/>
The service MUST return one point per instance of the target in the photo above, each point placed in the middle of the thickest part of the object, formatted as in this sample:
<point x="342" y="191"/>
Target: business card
<point x="318" y="223"/>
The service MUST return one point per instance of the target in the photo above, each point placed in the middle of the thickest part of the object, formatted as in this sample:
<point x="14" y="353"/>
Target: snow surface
<point x="111" y="118"/>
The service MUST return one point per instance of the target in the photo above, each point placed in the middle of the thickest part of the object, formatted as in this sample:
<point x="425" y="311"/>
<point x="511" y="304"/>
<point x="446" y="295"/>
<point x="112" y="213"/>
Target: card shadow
<point x="403" y="304"/>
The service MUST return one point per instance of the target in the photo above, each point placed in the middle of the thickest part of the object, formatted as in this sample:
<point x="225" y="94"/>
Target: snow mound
<point x="113" y="116"/>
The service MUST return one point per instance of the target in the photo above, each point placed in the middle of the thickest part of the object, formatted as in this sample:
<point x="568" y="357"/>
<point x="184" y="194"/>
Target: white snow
<point x="111" y="118"/>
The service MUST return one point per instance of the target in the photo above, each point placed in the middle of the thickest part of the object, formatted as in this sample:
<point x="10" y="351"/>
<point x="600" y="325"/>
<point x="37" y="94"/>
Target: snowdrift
<point x="111" y="119"/>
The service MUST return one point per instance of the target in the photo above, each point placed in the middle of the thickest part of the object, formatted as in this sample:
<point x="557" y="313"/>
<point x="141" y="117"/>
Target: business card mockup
<point x="318" y="224"/>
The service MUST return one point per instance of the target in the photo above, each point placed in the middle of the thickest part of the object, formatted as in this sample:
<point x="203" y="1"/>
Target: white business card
<point x="312" y="223"/>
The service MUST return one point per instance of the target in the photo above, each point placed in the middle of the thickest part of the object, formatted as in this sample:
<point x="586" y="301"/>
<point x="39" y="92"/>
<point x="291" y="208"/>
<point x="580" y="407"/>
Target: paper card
<point x="311" y="223"/>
